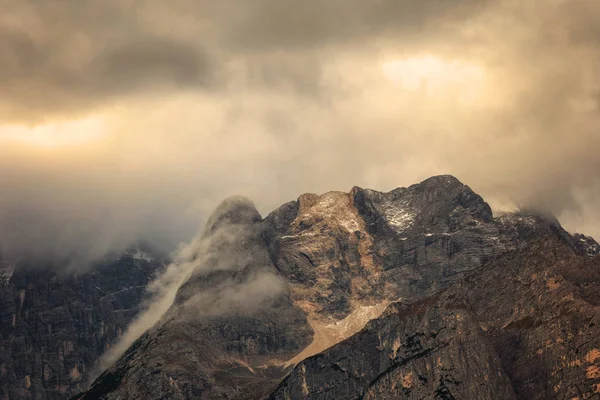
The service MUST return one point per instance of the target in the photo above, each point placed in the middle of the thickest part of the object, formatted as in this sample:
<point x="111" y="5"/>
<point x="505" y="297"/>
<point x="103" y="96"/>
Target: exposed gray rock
<point x="525" y="327"/>
<point x="54" y="326"/>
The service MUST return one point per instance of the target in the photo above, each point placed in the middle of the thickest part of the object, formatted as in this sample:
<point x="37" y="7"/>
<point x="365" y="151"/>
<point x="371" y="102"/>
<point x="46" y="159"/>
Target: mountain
<point x="55" y="325"/>
<point x="417" y="293"/>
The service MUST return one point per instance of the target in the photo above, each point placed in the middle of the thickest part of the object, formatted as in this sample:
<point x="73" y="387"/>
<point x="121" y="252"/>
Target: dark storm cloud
<point x="62" y="57"/>
<point x="135" y="65"/>
<point x="287" y="24"/>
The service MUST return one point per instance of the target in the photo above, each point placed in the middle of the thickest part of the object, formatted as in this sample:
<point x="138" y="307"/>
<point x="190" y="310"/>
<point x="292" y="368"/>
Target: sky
<point x="132" y="119"/>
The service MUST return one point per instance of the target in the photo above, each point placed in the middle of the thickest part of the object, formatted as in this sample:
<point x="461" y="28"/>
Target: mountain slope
<point x="230" y="329"/>
<point x="525" y="327"/>
<point x="267" y="293"/>
<point x="55" y="326"/>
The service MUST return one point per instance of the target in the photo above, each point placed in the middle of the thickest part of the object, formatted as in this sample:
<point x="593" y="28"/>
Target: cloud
<point x="234" y="297"/>
<point x="224" y="270"/>
<point x="60" y="58"/>
<point x="201" y="100"/>
<point x="289" y="25"/>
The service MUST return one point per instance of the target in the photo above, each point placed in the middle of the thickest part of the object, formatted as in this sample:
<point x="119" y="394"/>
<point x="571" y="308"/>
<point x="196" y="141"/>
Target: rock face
<point x="476" y="306"/>
<point x="522" y="327"/>
<point x="55" y="326"/>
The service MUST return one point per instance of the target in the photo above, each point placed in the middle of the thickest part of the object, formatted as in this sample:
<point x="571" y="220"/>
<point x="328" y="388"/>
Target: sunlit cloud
<point x="436" y="76"/>
<point x="55" y="134"/>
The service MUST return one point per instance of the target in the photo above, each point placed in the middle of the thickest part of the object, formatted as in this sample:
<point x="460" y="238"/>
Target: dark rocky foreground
<point x="476" y="306"/>
<point x="54" y="325"/>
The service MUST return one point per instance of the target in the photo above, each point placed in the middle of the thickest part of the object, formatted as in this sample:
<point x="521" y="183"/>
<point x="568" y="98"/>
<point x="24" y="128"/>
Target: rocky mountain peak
<point x="315" y="271"/>
<point x="438" y="181"/>
<point x="235" y="210"/>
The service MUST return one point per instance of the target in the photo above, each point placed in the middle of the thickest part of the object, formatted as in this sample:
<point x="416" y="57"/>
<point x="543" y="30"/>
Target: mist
<point x="225" y="270"/>
<point x="131" y="120"/>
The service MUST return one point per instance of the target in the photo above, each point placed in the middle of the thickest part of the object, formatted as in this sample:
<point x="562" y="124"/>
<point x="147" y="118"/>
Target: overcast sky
<point x="122" y="119"/>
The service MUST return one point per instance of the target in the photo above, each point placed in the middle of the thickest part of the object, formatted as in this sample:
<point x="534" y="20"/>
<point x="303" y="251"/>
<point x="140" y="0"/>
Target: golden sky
<point x="122" y="119"/>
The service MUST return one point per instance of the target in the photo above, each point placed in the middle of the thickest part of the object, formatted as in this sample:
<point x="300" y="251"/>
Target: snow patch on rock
<point x="397" y="214"/>
<point x="140" y="255"/>
<point x="6" y="272"/>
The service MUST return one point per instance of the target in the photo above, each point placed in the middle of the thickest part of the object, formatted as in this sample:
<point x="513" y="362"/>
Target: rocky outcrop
<point x="267" y="294"/>
<point x="54" y="326"/>
<point x="586" y="244"/>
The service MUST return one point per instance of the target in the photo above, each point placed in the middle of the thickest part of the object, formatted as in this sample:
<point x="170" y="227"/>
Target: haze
<point x="127" y="120"/>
